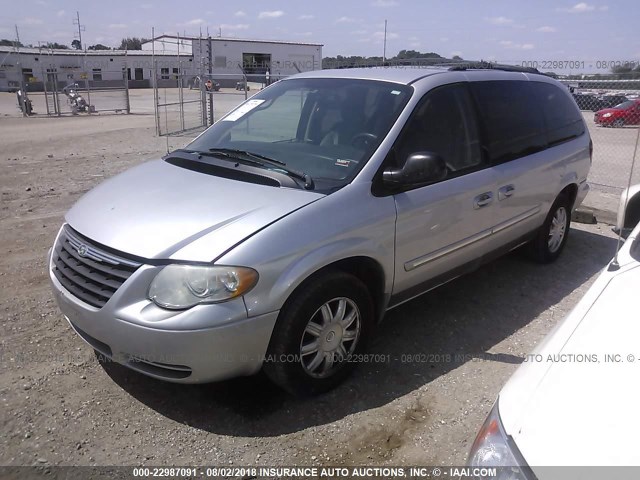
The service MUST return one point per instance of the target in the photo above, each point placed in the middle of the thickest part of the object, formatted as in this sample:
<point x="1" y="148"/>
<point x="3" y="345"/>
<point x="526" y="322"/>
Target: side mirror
<point x="421" y="168"/>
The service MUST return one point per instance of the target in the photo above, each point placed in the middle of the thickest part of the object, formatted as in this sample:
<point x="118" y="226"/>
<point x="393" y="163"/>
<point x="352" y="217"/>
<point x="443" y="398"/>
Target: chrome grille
<point x="88" y="271"/>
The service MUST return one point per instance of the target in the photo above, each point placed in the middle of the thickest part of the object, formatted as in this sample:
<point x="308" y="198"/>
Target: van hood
<point x="161" y="211"/>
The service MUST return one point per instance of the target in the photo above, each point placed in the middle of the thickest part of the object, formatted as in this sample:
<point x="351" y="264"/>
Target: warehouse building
<point x="174" y="57"/>
<point x="233" y="55"/>
<point x="226" y="58"/>
<point x="102" y="68"/>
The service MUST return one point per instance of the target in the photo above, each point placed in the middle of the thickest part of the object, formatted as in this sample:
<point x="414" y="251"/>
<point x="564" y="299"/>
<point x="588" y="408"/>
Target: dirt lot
<point x="61" y="407"/>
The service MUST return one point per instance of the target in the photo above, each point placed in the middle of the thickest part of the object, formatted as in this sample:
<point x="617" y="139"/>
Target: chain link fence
<point x="72" y="92"/>
<point x="178" y="107"/>
<point x="611" y="109"/>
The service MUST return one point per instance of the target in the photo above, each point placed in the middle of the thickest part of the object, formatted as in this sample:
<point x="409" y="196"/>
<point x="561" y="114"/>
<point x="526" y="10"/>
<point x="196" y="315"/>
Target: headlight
<point x="491" y="449"/>
<point x="607" y="115"/>
<point x="184" y="286"/>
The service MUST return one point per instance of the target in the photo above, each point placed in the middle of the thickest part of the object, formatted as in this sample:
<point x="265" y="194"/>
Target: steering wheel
<point x="365" y="138"/>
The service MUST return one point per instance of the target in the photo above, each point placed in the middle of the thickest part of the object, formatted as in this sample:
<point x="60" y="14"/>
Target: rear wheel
<point x="318" y="334"/>
<point x="552" y="236"/>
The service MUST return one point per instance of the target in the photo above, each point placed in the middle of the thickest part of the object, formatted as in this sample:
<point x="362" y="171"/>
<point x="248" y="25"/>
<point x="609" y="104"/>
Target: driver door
<point x="443" y="227"/>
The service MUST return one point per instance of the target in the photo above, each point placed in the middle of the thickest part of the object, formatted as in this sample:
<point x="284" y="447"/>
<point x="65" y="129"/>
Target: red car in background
<point x="626" y="113"/>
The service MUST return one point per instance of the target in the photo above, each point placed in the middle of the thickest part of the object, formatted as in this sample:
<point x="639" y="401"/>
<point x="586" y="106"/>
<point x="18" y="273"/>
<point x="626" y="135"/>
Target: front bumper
<point x="604" y="121"/>
<point x="203" y="344"/>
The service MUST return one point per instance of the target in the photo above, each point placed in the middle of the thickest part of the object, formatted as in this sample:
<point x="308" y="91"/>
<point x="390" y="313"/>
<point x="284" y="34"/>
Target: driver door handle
<point x="482" y="200"/>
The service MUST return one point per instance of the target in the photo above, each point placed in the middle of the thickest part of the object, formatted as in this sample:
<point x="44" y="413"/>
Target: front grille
<point x="89" y="272"/>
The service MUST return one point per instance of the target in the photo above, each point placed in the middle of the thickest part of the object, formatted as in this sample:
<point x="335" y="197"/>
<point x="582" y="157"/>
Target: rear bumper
<point x="234" y="346"/>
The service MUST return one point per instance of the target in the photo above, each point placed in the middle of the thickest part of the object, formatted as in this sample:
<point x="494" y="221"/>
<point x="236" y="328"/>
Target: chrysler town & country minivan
<point x="281" y="235"/>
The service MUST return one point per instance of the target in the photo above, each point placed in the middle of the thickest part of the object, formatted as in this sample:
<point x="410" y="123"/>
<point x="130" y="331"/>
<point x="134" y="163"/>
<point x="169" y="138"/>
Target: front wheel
<point x="319" y="333"/>
<point x="552" y="236"/>
<point x="618" y="123"/>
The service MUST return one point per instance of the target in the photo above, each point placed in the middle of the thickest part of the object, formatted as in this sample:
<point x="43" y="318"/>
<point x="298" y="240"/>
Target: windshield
<point x="324" y="128"/>
<point x="625" y="105"/>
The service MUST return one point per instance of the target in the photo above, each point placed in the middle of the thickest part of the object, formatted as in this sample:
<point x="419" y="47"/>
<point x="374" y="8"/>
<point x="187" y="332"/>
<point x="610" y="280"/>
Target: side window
<point x="511" y="118"/>
<point x="562" y="119"/>
<point x="443" y="123"/>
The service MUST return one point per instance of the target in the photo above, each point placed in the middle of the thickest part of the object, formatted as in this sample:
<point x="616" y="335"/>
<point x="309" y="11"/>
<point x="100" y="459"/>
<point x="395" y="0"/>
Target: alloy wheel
<point x="330" y="337"/>
<point x="558" y="229"/>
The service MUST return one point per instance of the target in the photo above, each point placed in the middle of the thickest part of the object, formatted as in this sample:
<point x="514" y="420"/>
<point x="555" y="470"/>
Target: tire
<point x="308" y="353"/>
<point x="551" y="238"/>
<point x="618" y="123"/>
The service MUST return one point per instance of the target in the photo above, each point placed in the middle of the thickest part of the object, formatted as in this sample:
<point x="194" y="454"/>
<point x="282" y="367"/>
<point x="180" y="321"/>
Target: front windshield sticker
<point x="395" y="92"/>
<point x="342" y="163"/>
<point x="242" y="110"/>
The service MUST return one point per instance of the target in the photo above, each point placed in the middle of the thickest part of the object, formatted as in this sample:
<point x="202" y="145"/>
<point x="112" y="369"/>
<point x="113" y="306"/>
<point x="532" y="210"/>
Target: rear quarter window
<point x="511" y="119"/>
<point x="562" y="119"/>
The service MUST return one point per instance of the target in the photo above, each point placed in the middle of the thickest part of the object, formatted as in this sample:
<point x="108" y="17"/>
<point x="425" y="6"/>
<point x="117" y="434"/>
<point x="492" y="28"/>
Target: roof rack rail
<point x="492" y="66"/>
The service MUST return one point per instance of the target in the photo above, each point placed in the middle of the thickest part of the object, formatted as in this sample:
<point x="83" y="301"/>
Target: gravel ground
<point x="449" y="352"/>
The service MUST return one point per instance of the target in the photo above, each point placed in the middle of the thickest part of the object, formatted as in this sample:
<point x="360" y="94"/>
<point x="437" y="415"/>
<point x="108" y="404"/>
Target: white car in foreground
<point x="575" y="400"/>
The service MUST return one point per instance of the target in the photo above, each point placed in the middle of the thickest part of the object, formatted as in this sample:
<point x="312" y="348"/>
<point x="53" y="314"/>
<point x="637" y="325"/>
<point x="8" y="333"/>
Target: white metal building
<point x="174" y="57"/>
<point x="233" y="55"/>
<point x="34" y="66"/>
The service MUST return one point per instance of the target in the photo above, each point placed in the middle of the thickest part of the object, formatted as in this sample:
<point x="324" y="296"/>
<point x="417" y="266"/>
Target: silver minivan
<point x="280" y="236"/>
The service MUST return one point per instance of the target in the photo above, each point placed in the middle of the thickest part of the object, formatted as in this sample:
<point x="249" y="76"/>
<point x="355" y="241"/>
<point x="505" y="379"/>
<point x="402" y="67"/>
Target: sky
<point x="495" y="30"/>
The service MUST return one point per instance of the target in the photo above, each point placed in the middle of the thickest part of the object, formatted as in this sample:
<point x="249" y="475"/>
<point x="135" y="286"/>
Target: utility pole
<point x="220" y="31"/>
<point x="22" y="98"/>
<point x="80" y="27"/>
<point x="384" y="48"/>
<point x="84" y="58"/>
<point x="210" y="61"/>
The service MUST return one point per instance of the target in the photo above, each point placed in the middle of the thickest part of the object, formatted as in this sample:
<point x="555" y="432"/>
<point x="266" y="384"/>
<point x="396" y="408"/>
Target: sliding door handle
<point x="506" y="192"/>
<point x="482" y="200"/>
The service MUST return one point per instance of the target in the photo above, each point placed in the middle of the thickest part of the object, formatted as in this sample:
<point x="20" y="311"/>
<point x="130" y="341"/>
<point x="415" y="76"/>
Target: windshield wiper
<point x="262" y="160"/>
<point x="253" y="159"/>
<point x="235" y="151"/>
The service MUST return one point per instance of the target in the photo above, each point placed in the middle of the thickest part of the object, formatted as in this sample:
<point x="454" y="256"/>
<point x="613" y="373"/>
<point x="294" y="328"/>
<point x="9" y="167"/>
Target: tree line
<point x="127" y="43"/>
<point x="403" y="56"/>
